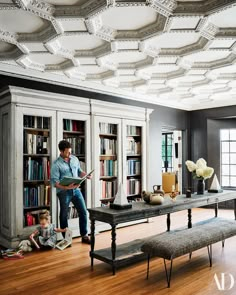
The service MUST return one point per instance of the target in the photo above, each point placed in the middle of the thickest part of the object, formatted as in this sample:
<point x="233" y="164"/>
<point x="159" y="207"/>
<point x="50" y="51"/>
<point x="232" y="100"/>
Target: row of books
<point x="37" y="196"/>
<point x="36" y="144"/>
<point x="107" y="128"/>
<point x="108" y="168"/>
<point x="32" y="217"/>
<point x="73" y="125"/>
<point x="133" y="130"/>
<point x="108" y="146"/>
<point x="133" y="166"/>
<point x="77" y="144"/>
<point x="37" y="169"/>
<point x="132" y="146"/>
<point x="108" y="189"/>
<point x="72" y="212"/>
<point x="133" y="186"/>
<point x="37" y="122"/>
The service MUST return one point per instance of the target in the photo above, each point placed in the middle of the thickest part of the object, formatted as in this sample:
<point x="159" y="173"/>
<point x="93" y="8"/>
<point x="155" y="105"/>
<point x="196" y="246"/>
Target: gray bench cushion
<point x="173" y="244"/>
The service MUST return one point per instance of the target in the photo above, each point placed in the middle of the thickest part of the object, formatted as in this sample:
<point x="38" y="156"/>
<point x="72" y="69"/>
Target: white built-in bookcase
<point x="62" y="112"/>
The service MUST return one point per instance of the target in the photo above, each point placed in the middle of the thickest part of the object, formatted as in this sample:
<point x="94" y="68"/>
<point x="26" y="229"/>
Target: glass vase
<point x="200" y="187"/>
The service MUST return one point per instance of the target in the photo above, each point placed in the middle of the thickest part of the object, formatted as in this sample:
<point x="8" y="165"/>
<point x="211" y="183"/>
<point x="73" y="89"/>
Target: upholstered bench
<point x="172" y="244"/>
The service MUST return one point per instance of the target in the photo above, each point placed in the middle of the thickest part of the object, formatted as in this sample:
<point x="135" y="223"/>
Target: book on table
<point x="65" y="242"/>
<point x="67" y="180"/>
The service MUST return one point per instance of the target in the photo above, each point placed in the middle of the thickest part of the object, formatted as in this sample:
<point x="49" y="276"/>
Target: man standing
<point x="68" y="165"/>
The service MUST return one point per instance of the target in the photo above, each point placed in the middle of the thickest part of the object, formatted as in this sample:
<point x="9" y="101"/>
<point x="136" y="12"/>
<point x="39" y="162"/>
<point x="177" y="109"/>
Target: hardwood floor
<point x="68" y="272"/>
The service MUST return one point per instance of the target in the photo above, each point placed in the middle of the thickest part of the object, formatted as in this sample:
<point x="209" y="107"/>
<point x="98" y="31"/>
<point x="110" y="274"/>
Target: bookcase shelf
<point x="37" y="130"/>
<point x="36" y="155"/>
<point x="36" y="207"/>
<point x="108" y="135"/>
<point x="107" y="177"/>
<point x="77" y="133"/>
<point x="37" y="181"/>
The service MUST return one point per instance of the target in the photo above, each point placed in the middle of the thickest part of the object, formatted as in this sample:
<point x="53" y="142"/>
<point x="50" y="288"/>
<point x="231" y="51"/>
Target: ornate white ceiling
<point x="180" y="54"/>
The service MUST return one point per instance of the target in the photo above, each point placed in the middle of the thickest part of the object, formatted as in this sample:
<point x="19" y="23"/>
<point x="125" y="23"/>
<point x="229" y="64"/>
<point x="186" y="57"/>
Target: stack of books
<point x="9" y="254"/>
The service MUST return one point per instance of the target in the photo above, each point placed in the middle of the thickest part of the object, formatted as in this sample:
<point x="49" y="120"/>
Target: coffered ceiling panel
<point x="6" y="47"/>
<point x="46" y="58"/>
<point x="163" y="41"/>
<point x="20" y="21"/>
<point x="224" y="19"/>
<point x="133" y="18"/>
<point x="65" y="2"/>
<point x="79" y="42"/>
<point x="180" y="54"/>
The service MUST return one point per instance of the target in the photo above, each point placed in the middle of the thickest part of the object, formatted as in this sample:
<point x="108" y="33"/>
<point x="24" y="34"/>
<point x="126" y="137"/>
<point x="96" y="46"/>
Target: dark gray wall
<point x="161" y="116"/>
<point x="213" y="139"/>
<point x="204" y="137"/>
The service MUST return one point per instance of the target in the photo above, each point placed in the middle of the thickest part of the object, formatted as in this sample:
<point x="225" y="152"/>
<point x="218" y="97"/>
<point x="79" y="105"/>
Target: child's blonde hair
<point x="45" y="214"/>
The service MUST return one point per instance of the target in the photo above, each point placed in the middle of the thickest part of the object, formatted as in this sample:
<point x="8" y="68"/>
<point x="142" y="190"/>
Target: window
<point x="228" y="157"/>
<point x="167" y="152"/>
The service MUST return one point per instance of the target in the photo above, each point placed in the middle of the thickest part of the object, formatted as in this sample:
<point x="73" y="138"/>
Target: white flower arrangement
<point x="200" y="170"/>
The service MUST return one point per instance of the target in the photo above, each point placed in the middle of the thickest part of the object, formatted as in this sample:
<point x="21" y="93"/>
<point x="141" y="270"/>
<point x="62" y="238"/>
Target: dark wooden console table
<point x="126" y="253"/>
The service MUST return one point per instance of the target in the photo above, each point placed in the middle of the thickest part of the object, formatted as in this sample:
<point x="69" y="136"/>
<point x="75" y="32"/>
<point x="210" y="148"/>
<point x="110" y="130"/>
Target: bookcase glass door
<point x="36" y="167"/>
<point x="76" y="129"/>
<point x="108" y="159"/>
<point x="134" y="160"/>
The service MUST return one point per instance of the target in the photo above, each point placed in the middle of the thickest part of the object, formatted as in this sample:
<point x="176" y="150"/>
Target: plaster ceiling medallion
<point x="180" y="54"/>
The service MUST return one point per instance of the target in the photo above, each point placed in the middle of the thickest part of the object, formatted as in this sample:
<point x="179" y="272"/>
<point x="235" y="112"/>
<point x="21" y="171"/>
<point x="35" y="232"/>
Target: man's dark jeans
<point x="76" y="197"/>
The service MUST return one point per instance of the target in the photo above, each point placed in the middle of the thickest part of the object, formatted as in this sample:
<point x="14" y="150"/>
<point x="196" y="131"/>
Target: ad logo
<point x="225" y="282"/>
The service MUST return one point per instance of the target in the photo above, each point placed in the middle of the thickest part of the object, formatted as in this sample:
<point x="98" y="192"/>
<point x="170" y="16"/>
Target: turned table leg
<point x="235" y="209"/>
<point x="216" y="209"/>
<point x="92" y="240"/>
<point x="168" y="221"/>
<point x="113" y="247"/>
<point x="189" y="218"/>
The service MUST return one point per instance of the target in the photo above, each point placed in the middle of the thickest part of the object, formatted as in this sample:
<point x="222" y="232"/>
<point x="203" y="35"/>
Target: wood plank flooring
<point x="68" y="272"/>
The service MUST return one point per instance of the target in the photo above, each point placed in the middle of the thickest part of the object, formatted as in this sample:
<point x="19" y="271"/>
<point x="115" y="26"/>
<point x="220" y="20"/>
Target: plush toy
<point x="25" y="246"/>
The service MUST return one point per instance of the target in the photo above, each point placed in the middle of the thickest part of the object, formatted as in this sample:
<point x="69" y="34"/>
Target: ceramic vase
<point x="200" y="187"/>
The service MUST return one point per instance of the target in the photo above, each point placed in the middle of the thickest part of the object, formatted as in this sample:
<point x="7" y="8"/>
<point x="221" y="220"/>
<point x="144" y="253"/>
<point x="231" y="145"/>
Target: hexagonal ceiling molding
<point x="118" y="23"/>
<point x="9" y="51"/>
<point x="178" y="53"/>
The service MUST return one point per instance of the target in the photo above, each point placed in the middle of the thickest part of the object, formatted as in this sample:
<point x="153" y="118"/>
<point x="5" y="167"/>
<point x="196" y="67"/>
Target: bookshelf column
<point x="76" y="129"/>
<point x="119" y="151"/>
<point x="31" y="129"/>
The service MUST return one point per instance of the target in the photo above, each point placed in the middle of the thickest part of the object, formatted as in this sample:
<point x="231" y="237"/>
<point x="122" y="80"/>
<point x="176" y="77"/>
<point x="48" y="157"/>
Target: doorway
<point x="172" y="160"/>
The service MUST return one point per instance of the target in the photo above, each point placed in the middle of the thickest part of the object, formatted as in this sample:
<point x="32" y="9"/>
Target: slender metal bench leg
<point x="168" y="275"/>
<point x="209" y="249"/>
<point x="148" y="262"/>
<point x="223" y="243"/>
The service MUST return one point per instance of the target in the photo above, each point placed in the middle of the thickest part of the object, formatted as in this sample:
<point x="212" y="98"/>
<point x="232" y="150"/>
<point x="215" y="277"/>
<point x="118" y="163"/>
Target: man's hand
<point x="72" y="186"/>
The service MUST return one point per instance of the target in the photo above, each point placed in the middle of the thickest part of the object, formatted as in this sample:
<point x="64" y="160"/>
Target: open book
<point x="67" y="180"/>
<point x="65" y="242"/>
